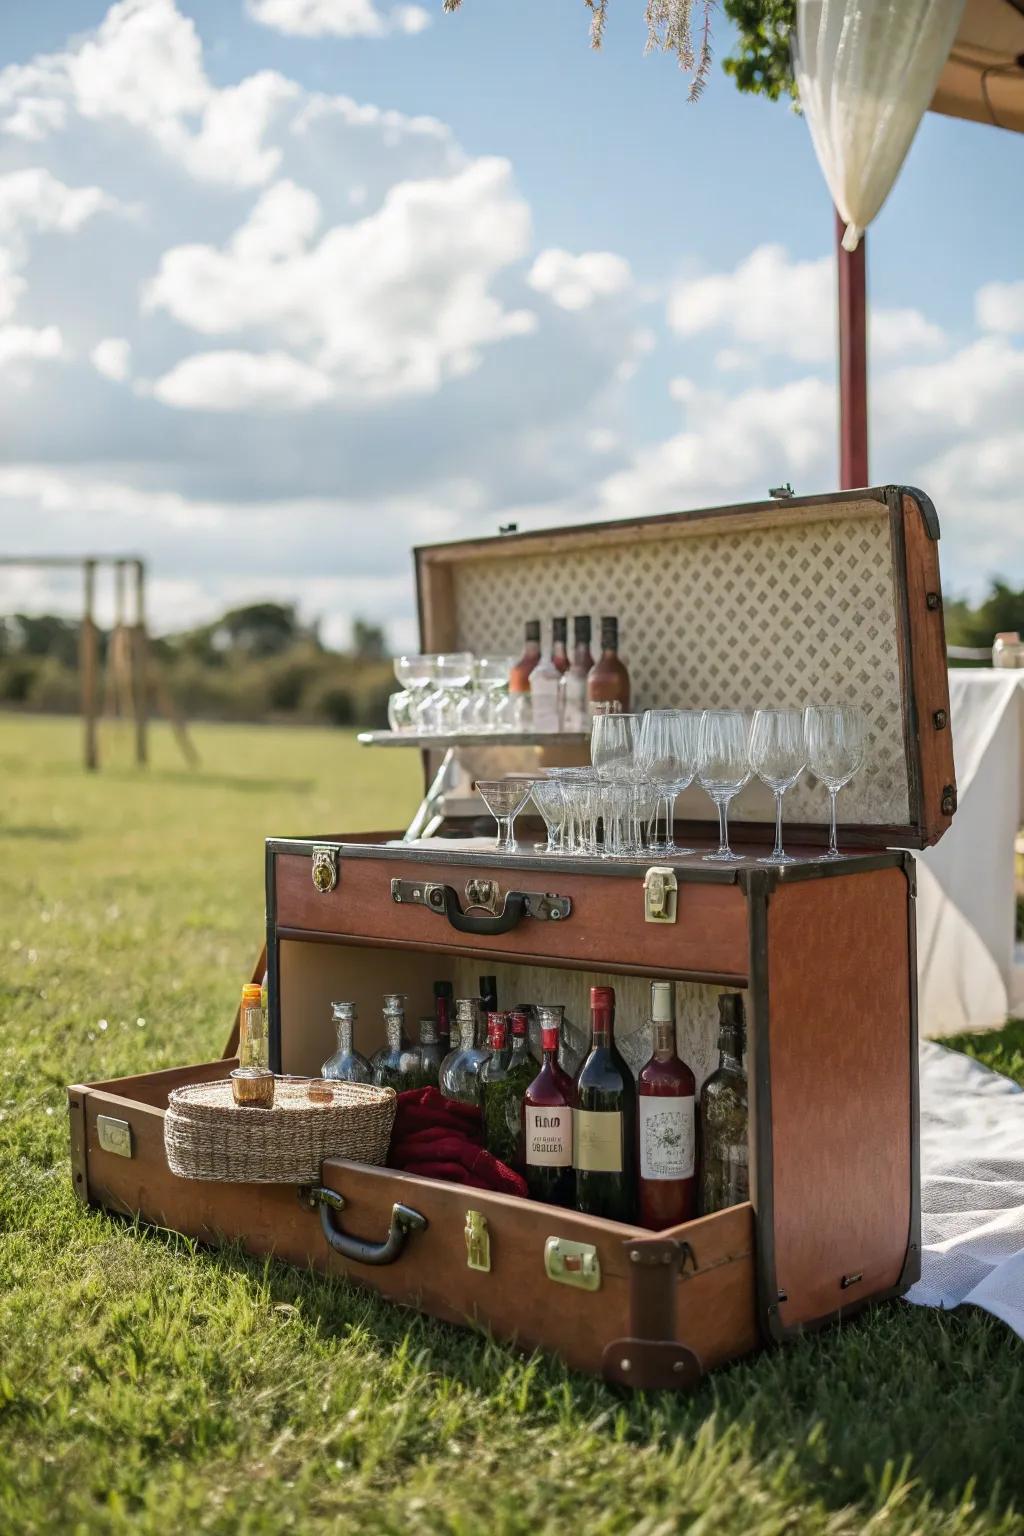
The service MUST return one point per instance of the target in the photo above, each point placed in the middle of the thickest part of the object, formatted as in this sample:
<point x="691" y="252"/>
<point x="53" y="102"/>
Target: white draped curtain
<point x="866" y="72"/>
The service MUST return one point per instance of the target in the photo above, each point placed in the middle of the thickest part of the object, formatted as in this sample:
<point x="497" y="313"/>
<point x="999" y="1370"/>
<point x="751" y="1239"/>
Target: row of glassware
<point x="456" y="694"/>
<point x="640" y="764"/>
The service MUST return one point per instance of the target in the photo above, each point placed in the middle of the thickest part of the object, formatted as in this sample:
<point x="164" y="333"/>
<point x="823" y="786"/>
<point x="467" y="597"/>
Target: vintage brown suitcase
<point x="832" y="597"/>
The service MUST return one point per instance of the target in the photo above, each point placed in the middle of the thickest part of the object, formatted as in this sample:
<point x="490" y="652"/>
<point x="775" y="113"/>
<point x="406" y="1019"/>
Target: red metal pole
<point x="853" y="363"/>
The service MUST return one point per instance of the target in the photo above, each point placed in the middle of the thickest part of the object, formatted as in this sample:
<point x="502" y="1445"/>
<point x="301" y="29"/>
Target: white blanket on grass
<point x="972" y="1187"/>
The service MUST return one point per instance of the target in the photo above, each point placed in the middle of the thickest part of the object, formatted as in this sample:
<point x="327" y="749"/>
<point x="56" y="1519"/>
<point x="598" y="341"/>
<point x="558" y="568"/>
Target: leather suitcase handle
<point x="479" y="916"/>
<point x="404" y="1221"/>
<point x="513" y="910"/>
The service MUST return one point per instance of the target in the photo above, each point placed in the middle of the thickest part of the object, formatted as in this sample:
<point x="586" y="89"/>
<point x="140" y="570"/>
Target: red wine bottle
<point x="547" y="1121"/>
<point x="604" y="1120"/>
<point x="443" y="994"/>
<point x="665" y="1124"/>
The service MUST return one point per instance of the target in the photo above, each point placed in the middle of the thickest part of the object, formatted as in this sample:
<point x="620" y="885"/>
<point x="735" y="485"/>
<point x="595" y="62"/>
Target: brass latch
<point x="114" y="1135"/>
<point x="478" y="1242"/>
<point x="660" y="893"/>
<point x="572" y="1263"/>
<point x="325" y="867"/>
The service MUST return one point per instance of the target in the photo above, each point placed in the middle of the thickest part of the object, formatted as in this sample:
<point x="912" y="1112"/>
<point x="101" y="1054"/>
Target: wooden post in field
<point x="87" y="644"/>
<point x="139" y="648"/>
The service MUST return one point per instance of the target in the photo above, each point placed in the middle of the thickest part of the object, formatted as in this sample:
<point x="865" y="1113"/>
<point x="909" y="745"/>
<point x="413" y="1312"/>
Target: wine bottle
<point x="575" y="715"/>
<point x="546" y="686"/>
<point x="604" y="1120"/>
<point x="443" y="994"/>
<point x="346" y="1065"/>
<point x="559" y="647"/>
<point x="459" y="1074"/>
<point x="724" y="1153"/>
<point x="501" y="1130"/>
<point x="429" y="1053"/>
<point x="395" y="1065"/>
<point x="519" y="677"/>
<point x="608" y="682"/>
<point x="252" y="1081"/>
<point x="488" y="998"/>
<point x="665" y="1122"/>
<point x="547" y="1121"/>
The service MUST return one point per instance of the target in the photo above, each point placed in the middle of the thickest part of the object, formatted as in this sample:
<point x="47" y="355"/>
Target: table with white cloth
<point x="968" y="975"/>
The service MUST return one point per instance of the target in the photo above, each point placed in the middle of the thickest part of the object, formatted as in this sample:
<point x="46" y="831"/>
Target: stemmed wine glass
<point x="723" y="767"/>
<point x="505" y="798"/>
<point x="836" y="737"/>
<point x="778" y="755"/>
<point x="613" y="741"/>
<point x="492" y="679"/>
<point x="440" y="711"/>
<point x="549" y="799"/>
<point x="667" y="758"/>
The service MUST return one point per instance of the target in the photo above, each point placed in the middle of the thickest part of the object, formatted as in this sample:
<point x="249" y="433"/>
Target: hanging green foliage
<point x="761" y="62"/>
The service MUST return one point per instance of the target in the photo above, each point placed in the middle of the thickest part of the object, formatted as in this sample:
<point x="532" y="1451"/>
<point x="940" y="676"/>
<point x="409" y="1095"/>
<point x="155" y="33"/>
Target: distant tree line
<point x="257" y="662"/>
<point x="1002" y="609"/>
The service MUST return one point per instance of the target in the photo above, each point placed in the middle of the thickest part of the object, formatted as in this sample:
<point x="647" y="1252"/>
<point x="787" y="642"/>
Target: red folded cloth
<point x="441" y="1139"/>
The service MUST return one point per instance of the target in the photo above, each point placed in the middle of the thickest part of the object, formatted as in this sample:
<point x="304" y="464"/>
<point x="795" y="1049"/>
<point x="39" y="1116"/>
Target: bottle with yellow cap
<point x="252" y="1081"/>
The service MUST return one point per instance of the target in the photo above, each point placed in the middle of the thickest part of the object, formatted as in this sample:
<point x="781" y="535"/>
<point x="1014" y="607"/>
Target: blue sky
<point x="235" y="307"/>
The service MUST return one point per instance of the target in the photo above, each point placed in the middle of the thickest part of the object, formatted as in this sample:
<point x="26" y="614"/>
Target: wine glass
<point x="836" y="743"/>
<point x="416" y="675"/>
<point x="613" y="741"/>
<point x="667" y="758"/>
<point x="400" y="717"/>
<point x="505" y="798"/>
<point x="778" y="755"/>
<point x="723" y="767"/>
<point x="550" y="801"/>
<point x="454" y="671"/>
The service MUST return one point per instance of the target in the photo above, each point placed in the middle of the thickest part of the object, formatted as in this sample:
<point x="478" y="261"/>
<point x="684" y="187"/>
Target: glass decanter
<point x="396" y="1064"/>
<point x="346" y="1065"/>
<point x="459" y="1075"/>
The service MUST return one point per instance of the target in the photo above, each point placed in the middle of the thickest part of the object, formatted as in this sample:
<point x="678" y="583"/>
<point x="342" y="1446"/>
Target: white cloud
<point x="337" y="18"/>
<point x="24" y="343"/>
<point x="575" y="282"/>
<point x="392" y="304"/>
<point x="112" y="357"/>
<point x="1000" y="306"/>
<point x="787" y="308"/>
<point x="243" y="381"/>
<point x="35" y="199"/>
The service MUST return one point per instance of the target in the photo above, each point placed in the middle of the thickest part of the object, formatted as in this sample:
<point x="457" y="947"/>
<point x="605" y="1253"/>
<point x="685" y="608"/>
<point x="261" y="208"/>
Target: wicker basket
<point x="208" y="1136"/>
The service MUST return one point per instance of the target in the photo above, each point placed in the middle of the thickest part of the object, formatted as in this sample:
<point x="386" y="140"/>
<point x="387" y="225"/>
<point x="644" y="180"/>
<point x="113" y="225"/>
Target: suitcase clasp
<point x="325" y="867"/>
<point x="572" y="1263"/>
<point x="660" y="894"/>
<point x="478" y="1242"/>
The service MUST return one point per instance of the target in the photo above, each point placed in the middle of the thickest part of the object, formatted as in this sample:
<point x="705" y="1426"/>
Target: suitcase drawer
<point x="605" y="927"/>
<point x="699" y="1308"/>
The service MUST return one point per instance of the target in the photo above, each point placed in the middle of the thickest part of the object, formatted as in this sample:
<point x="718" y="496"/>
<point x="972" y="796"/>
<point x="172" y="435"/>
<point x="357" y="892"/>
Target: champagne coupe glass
<point x="416" y="674"/>
<point x="836" y="743"/>
<point x="549" y="799"/>
<point x="505" y="798"/>
<point x="778" y="755"/>
<point x="667" y="757"/>
<point x="723" y="767"/>
<point x="471" y="711"/>
<point x="453" y="672"/>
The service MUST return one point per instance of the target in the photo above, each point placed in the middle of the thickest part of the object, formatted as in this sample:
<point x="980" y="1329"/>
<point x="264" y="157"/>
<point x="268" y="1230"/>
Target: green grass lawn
<point x="149" y="1386"/>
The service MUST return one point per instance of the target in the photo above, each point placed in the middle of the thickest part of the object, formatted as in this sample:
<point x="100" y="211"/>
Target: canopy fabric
<point x="866" y="73"/>
<point x="982" y="79"/>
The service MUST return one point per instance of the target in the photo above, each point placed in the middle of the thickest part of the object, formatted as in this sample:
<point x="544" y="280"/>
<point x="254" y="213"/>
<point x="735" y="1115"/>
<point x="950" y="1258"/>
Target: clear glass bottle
<point x="604" y="1120"/>
<point x="497" y="1091"/>
<point x="665" y="1123"/>
<point x="252" y="1081"/>
<point x="346" y="1065"/>
<point x="459" y="1075"/>
<point x="608" y="683"/>
<point x="724" y="1151"/>
<point x="395" y="1065"/>
<point x="547" y="1121"/>
<point x="429" y="1053"/>
<point x="546" y="692"/>
<point x="575" y="713"/>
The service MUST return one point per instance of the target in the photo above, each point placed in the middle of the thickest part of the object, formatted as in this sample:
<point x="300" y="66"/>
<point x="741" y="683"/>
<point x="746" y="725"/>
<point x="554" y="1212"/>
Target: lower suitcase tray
<point x="644" y="1309"/>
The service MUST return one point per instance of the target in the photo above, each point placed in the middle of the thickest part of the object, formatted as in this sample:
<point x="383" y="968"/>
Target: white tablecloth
<point x="965" y="934"/>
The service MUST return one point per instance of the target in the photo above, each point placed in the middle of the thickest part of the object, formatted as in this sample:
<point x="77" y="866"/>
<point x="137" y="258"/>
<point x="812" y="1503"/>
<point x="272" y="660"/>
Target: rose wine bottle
<point x="559" y="649"/>
<point x="724" y="1154"/>
<point x="519" y="677"/>
<point x="547" y="1122"/>
<point x="665" y="1123"/>
<point x="608" y="683"/>
<point x="604" y="1120"/>
<point x="443" y="994"/>
<point x="575" y="715"/>
<point x="346" y="1065"/>
<point x="546" y="685"/>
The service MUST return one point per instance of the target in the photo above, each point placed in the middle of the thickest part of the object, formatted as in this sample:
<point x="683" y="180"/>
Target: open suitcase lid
<point x="811" y="599"/>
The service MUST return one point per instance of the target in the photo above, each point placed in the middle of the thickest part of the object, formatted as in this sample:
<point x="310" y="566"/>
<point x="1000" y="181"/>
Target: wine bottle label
<point x="597" y="1140"/>
<point x="666" y="1137"/>
<point x="548" y="1136"/>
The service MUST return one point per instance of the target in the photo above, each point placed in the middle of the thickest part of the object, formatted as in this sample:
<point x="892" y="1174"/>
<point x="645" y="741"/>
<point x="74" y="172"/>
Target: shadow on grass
<point x="840" y="1412"/>
<point x="184" y="776"/>
<point x="41" y="833"/>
